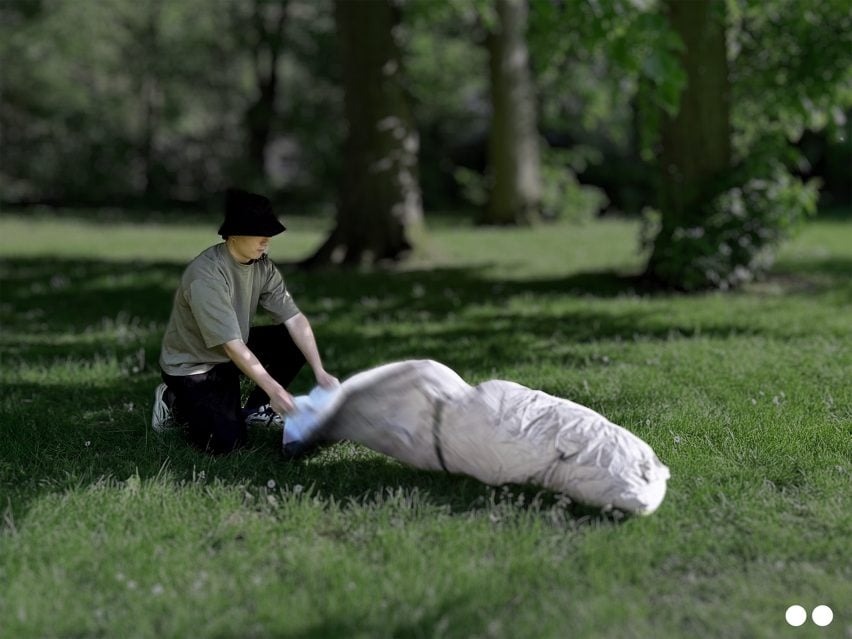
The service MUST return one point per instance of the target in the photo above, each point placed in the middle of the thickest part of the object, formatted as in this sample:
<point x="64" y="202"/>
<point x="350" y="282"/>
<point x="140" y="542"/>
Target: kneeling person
<point x="209" y="339"/>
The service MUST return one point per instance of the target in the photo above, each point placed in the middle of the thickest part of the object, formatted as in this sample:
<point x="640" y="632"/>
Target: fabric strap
<point x="437" y="418"/>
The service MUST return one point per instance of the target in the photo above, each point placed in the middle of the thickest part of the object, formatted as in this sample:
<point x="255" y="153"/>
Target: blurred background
<point x="722" y="124"/>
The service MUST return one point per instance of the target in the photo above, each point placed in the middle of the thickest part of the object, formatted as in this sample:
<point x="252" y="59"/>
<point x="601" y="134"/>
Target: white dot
<point x="796" y="615"/>
<point x="822" y="615"/>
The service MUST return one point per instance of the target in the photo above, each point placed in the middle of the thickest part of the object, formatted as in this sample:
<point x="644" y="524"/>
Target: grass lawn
<point x="110" y="531"/>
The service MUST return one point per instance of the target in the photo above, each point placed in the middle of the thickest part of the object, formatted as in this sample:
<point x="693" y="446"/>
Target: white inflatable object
<point x="422" y="413"/>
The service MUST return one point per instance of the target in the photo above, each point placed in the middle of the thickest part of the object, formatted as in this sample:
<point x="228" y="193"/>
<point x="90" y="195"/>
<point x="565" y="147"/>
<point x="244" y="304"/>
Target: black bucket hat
<point x="249" y="214"/>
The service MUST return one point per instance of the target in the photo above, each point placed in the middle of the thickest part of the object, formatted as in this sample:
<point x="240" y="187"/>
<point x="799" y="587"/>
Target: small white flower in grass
<point x="270" y="484"/>
<point x="129" y="407"/>
<point x="753" y="401"/>
<point x="131" y="584"/>
<point x="88" y="443"/>
<point x="119" y="576"/>
<point x="157" y="590"/>
<point x="297" y="489"/>
<point x="677" y="439"/>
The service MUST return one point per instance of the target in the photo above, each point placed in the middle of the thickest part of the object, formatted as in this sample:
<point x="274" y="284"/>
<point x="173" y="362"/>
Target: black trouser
<point x="209" y="403"/>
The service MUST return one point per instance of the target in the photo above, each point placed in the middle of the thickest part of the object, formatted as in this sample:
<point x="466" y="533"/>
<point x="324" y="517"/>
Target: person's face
<point x="249" y="247"/>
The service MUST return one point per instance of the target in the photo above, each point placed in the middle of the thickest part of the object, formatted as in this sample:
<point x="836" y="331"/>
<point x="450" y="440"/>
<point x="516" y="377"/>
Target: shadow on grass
<point x="433" y="621"/>
<point x="72" y="307"/>
<point x="51" y="449"/>
<point x="831" y="275"/>
<point x="63" y="429"/>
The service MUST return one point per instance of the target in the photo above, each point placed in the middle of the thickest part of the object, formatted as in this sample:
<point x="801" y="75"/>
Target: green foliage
<point x="473" y="186"/>
<point x="446" y="79"/>
<point x="309" y="124"/>
<point x="791" y="64"/>
<point x="112" y="98"/>
<point x="747" y="214"/>
<point x="447" y="75"/>
<point x="791" y="68"/>
<point x="629" y="52"/>
<point x="562" y="196"/>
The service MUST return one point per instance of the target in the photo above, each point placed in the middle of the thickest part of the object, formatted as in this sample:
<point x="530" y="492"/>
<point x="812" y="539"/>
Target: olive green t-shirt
<point x="216" y="303"/>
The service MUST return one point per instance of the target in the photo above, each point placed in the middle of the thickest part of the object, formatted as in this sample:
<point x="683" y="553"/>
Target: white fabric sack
<point x="422" y="413"/>
<point x="301" y="423"/>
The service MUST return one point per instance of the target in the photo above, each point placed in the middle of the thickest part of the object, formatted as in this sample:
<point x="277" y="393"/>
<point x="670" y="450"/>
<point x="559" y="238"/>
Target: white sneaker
<point x="264" y="416"/>
<point x="161" y="417"/>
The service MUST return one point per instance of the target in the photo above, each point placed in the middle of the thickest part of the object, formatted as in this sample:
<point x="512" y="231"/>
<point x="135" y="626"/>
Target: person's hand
<point x="326" y="380"/>
<point x="282" y="402"/>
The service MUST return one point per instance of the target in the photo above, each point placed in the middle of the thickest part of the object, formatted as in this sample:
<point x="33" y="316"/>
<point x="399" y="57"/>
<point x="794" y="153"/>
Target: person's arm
<point x="280" y="400"/>
<point x="300" y="330"/>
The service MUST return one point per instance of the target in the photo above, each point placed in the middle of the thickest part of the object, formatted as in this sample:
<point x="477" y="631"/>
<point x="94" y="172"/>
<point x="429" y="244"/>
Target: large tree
<point x="696" y="141"/>
<point x="513" y="152"/>
<point x="728" y="195"/>
<point x="379" y="204"/>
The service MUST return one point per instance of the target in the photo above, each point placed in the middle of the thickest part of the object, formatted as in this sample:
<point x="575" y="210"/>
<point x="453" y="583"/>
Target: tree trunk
<point x="696" y="143"/>
<point x="513" y="153"/>
<point x="147" y="34"/>
<point x="267" y="25"/>
<point x="379" y="203"/>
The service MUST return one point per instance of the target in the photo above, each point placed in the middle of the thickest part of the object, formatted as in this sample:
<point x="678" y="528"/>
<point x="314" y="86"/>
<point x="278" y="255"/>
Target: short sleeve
<point x="275" y="297"/>
<point x="213" y="312"/>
